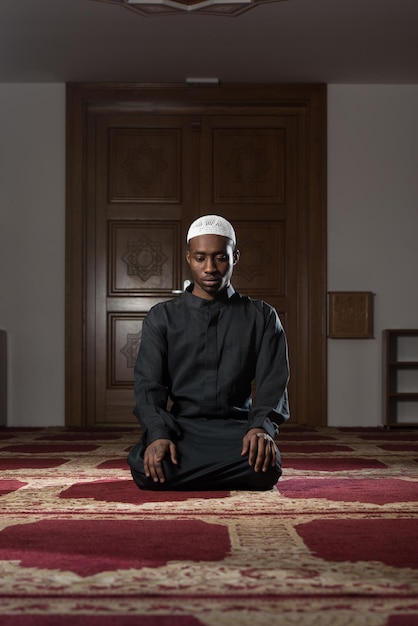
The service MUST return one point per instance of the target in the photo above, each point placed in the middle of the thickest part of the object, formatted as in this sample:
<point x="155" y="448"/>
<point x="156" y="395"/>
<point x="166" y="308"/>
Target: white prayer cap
<point x="211" y="225"/>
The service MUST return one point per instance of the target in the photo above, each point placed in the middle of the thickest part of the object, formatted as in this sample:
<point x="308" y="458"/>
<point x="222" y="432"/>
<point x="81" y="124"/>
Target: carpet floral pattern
<point x="335" y="543"/>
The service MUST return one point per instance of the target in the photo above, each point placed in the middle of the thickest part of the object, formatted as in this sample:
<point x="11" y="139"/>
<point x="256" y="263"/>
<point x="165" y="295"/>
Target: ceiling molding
<point x="228" y="8"/>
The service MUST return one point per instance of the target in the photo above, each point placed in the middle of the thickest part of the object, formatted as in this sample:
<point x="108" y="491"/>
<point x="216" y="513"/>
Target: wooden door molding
<point x="87" y="103"/>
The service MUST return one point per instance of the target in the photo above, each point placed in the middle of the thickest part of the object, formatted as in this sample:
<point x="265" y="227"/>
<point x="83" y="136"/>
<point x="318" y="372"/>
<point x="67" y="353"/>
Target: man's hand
<point x="154" y="454"/>
<point x="260" y="449"/>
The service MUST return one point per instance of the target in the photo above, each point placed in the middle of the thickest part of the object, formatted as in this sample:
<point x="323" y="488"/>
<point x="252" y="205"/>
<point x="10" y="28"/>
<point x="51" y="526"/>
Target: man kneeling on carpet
<point x="202" y="350"/>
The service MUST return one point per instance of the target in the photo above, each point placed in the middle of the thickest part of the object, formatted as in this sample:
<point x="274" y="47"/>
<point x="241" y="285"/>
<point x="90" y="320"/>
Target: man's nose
<point x="210" y="265"/>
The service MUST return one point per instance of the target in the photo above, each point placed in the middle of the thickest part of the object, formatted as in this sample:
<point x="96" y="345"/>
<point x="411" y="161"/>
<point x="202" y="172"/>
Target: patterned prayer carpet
<point x="335" y="544"/>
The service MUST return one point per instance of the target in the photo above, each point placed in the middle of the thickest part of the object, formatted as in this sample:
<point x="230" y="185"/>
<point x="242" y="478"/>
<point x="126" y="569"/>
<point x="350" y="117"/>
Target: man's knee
<point x="146" y="482"/>
<point x="263" y="481"/>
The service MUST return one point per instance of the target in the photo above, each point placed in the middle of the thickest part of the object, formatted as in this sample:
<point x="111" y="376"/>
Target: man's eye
<point x="199" y="259"/>
<point x="222" y="257"/>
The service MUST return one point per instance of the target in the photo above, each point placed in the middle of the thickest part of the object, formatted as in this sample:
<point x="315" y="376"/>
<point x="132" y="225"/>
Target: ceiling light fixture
<point x="172" y="7"/>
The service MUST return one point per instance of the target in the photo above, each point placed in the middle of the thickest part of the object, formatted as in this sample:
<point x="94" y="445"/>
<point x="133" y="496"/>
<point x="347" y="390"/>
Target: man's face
<point x="211" y="259"/>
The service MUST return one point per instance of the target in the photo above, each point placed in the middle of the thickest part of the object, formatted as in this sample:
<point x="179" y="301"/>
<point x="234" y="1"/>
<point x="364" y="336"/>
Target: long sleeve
<point x="271" y="406"/>
<point x="151" y="391"/>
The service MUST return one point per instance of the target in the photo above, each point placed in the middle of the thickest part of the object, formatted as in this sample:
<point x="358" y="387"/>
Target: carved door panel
<point x="251" y="171"/>
<point x="140" y="172"/>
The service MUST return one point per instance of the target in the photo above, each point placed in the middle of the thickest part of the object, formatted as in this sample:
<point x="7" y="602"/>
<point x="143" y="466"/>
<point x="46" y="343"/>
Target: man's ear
<point x="236" y="256"/>
<point x="188" y="256"/>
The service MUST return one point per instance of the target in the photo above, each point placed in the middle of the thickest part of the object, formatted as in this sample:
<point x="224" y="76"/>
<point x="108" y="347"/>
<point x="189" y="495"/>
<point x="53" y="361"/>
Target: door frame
<point x="310" y="102"/>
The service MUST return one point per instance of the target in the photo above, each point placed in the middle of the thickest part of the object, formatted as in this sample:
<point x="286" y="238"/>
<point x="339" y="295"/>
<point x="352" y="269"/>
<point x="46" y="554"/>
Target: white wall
<point x="372" y="218"/>
<point x="32" y="213"/>
<point x="372" y="232"/>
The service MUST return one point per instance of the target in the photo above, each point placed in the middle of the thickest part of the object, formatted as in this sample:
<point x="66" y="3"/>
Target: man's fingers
<point x="153" y="469"/>
<point x="152" y="463"/>
<point x="154" y="456"/>
<point x="269" y="452"/>
<point x="158" y="473"/>
<point x="173" y="454"/>
<point x="261" y="450"/>
<point x="253" y="451"/>
<point x="266" y="452"/>
<point x="156" y="468"/>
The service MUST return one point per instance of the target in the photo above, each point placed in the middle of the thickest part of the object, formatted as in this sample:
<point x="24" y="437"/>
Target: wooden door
<point x="153" y="164"/>
<point x="139" y="171"/>
<point x="250" y="165"/>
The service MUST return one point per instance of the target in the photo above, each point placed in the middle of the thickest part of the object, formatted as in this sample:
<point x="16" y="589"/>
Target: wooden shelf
<point x="405" y="364"/>
<point x="409" y="395"/>
<point x="400" y="377"/>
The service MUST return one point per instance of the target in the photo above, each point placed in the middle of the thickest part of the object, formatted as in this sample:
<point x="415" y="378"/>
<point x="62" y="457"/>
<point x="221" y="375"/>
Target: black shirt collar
<point x="197" y="302"/>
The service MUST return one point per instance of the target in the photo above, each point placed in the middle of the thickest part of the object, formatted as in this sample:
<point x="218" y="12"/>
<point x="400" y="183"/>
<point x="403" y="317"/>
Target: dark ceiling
<point x="333" y="41"/>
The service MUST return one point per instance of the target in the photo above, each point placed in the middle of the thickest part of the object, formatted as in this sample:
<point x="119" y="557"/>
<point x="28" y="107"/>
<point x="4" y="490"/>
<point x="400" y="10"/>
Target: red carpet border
<point x="335" y="544"/>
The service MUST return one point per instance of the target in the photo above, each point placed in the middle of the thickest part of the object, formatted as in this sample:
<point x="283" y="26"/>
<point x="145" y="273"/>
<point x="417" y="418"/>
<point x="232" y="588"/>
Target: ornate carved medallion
<point x="144" y="258"/>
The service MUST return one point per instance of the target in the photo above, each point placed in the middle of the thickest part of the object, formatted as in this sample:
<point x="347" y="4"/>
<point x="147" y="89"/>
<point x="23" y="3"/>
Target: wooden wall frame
<point x="351" y="315"/>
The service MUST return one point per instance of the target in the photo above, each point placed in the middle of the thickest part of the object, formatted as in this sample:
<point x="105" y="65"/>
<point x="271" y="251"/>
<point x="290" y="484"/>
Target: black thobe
<point x="203" y="355"/>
